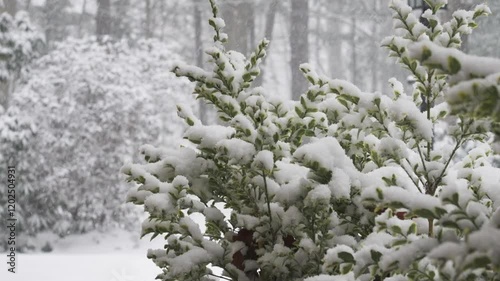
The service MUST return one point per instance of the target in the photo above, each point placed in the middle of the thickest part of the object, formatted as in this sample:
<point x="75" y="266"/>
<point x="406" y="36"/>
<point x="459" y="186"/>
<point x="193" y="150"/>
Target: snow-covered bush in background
<point x="342" y="185"/>
<point x="83" y="107"/>
<point x="20" y="43"/>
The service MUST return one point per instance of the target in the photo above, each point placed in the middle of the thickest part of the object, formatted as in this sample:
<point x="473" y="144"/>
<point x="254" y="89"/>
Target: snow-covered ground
<point x="82" y="267"/>
<point x="114" y="256"/>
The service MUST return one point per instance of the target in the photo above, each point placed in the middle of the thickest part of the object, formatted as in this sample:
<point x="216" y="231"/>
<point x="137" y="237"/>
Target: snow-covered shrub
<point x="474" y="81"/>
<point x="84" y="109"/>
<point x="341" y="185"/>
<point x="20" y="43"/>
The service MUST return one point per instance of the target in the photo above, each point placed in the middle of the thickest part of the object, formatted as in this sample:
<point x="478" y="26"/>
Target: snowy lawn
<point x="114" y="256"/>
<point x="82" y="267"/>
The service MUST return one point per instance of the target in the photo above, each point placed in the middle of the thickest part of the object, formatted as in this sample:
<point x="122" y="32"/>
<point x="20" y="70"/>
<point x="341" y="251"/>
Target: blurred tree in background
<point x="84" y="106"/>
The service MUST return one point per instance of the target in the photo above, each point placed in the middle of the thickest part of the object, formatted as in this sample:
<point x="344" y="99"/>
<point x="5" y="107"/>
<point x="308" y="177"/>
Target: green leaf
<point x="396" y="205"/>
<point x="399" y="242"/>
<point x="455" y="198"/>
<point x="154" y="236"/>
<point x="440" y="212"/>
<point x="413" y="65"/>
<point x="247" y="77"/>
<point x="437" y="157"/>
<point x="346" y="257"/>
<point x="450" y="224"/>
<point x="311" y="80"/>
<point x="275" y="137"/>
<point x="396" y="229"/>
<point x="480" y="262"/>
<point x="424" y="213"/>
<point x="349" y="98"/>
<point x="433" y="23"/>
<point x="454" y="65"/>
<point x="426" y="54"/>
<point x="393" y="265"/>
<point x="412" y="229"/>
<point x="375" y="255"/>
<point x="303" y="102"/>
<point x="473" y="25"/>
<point x="140" y="179"/>
<point x="442" y="114"/>
<point x="343" y="102"/>
<point x="299" y="112"/>
<point x="390" y="181"/>
<point x="346" y="268"/>
<point x="380" y="194"/>
<point x="211" y="22"/>
<point x="478" y="13"/>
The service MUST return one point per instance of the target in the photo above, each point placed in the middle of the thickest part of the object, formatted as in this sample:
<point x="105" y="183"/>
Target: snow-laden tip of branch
<point x="458" y="64"/>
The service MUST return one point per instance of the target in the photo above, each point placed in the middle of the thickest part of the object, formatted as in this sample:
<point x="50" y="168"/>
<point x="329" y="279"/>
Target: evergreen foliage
<point x="20" y="44"/>
<point x="341" y="185"/>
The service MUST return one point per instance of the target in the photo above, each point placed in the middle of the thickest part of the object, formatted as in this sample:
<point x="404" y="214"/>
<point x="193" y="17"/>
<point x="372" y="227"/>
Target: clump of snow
<point x="319" y="195"/>
<point x="213" y="214"/>
<point x="287" y="172"/>
<point x="405" y="109"/>
<point x="413" y="200"/>
<point x="208" y="136"/>
<point x="186" y="262"/>
<point x="246" y="221"/>
<point x="468" y="65"/>
<point x="290" y="192"/>
<point x="447" y="250"/>
<point x="325" y="151"/>
<point x="393" y="148"/>
<point x="291" y="218"/>
<point x="218" y="22"/>
<point x="332" y="255"/>
<point x="264" y="160"/>
<point x="192" y="228"/>
<point x="340" y="184"/>
<point x="404" y="255"/>
<point x="159" y="204"/>
<point x="347" y="277"/>
<point x="238" y="151"/>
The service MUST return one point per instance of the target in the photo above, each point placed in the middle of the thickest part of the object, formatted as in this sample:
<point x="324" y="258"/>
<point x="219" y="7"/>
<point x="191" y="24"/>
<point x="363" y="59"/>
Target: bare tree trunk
<point x="237" y="14"/>
<point x="120" y="26"/>
<point x="103" y="18"/>
<point x="268" y="34"/>
<point x="163" y="20"/>
<point x="199" y="55"/>
<point x="28" y="5"/>
<point x="251" y="23"/>
<point x="10" y="6"/>
<point x="82" y="15"/>
<point x="147" y="24"/>
<point x="335" y="39"/>
<point x="375" y="59"/>
<point x="270" y="18"/>
<point x="5" y="95"/>
<point x="317" y="41"/>
<point x="299" y="45"/>
<point x="354" y="58"/>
